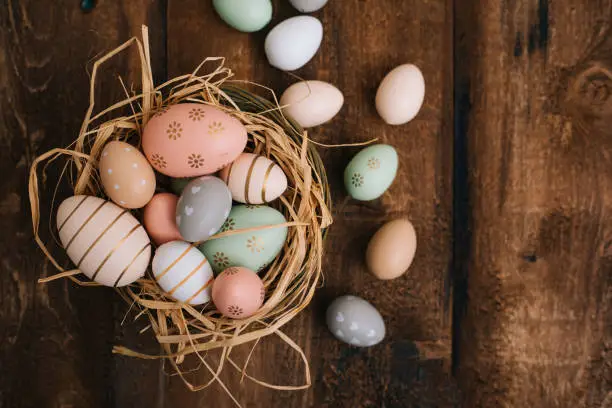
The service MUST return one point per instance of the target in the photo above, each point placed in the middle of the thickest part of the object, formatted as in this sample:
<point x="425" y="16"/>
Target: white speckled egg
<point x="400" y="94"/>
<point x="183" y="272"/>
<point x="311" y="103"/>
<point x="293" y="42"/>
<point x="103" y="240"/>
<point x="254" y="179"/>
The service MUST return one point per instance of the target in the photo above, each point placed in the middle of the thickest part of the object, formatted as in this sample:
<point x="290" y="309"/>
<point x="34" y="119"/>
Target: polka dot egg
<point x="126" y="175"/>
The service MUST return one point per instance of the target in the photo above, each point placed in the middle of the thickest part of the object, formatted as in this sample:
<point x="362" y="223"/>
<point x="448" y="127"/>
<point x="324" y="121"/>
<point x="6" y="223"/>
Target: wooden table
<point x="506" y="174"/>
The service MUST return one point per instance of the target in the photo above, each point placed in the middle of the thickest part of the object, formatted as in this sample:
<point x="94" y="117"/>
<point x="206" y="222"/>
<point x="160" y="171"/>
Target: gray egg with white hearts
<point x="202" y="208"/>
<point x="355" y="321"/>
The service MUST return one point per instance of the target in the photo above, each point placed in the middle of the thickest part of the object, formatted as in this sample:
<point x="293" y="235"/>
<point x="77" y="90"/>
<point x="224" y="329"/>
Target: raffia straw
<point x="183" y="330"/>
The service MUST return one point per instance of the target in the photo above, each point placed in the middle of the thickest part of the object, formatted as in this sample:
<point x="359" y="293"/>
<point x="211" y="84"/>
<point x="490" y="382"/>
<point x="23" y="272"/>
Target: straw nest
<point x="290" y="282"/>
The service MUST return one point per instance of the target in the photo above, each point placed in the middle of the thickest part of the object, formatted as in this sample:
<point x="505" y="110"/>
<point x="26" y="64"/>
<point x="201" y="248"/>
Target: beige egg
<point x="311" y="103"/>
<point x="391" y="249"/>
<point x="400" y="94"/>
<point x="127" y="177"/>
<point x="254" y="179"/>
<point x="103" y="240"/>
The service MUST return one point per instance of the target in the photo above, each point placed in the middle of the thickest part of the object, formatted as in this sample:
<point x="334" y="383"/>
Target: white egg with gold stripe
<point x="183" y="272"/>
<point x="254" y="179"/>
<point x="104" y="241"/>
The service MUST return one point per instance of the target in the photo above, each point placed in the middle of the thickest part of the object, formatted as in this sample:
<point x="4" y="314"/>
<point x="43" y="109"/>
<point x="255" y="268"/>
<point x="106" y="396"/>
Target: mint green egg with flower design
<point x="370" y="173"/>
<point x="254" y="250"/>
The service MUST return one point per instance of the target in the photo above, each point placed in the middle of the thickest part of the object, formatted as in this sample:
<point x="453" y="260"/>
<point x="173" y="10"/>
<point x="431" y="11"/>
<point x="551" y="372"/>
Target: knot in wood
<point x="592" y="89"/>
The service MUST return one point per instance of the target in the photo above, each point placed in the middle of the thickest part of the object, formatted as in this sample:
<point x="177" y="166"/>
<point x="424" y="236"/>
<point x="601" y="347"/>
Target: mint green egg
<point x="254" y="250"/>
<point x="370" y="173"/>
<point x="245" y="15"/>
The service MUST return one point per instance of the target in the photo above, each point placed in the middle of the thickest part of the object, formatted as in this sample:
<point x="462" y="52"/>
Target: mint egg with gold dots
<point x="254" y="249"/>
<point x="371" y="172"/>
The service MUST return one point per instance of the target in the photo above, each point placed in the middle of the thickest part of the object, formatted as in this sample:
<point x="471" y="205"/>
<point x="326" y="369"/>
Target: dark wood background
<point x="506" y="174"/>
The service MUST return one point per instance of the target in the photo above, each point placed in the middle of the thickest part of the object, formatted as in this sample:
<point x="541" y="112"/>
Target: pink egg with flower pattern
<point x="238" y="292"/>
<point x="192" y="139"/>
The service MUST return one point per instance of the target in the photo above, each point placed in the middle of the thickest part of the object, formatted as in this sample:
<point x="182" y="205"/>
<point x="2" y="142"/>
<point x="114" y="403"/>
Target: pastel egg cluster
<point x="190" y="142"/>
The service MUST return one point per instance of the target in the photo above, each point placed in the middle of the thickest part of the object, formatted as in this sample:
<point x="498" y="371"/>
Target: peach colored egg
<point x="238" y="292"/>
<point x="103" y="240"/>
<point x="126" y="175"/>
<point x="159" y="218"/>
<point x="192" y="139"/>
<point x="254" y="179"/>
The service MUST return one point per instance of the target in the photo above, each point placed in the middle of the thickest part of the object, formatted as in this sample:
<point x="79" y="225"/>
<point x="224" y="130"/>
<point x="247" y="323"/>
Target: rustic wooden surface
<point x="506" y="173"/>
<point x="534" y="115"/>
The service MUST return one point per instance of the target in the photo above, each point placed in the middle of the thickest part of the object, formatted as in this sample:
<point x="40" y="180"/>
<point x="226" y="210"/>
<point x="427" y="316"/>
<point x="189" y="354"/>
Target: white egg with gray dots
<point x="353" y="320"/>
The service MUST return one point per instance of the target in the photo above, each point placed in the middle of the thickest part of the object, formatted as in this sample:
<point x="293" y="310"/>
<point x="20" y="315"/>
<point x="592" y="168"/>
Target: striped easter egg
<point x="183" y="272"/>
<point x="104" y="241"/>
<point x="254" y="179"/>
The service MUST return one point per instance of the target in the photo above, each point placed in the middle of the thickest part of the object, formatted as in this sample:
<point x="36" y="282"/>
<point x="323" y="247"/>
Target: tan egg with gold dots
<point x="104" y="241"/>
<point x="254" y="179"/>
<point x="126" y="175"/>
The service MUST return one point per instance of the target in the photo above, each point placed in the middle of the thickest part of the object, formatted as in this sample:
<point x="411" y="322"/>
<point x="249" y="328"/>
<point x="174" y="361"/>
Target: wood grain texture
<point x="533" y="108"/>
<point x="56" y="339"/>
<point x="411" y="367"/>
<point x="516" y="201"/>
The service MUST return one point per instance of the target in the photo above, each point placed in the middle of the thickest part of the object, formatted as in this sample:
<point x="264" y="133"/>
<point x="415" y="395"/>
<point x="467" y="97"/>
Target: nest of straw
<point x="181" y="329"/>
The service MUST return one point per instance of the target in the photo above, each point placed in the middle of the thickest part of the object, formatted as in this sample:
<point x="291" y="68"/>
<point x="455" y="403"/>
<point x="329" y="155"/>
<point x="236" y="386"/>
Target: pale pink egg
<point x="159" y="219"/>
<point x="254" y="179"/>
<point x="238" y="292"/>
<point x="192" y="139"/>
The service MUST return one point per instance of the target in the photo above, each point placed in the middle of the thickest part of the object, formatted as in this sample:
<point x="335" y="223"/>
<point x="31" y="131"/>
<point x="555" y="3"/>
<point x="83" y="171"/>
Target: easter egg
<point x="391" y="249"/>
<point x="178" y="184"/>
<point x="355" y="321"/>
<point x="126" y="175"/>
<point x="203" y="208"/>
<point x="104" y="241"/>
<point x="308" y="6"/>
<point x="400" y="94"/>
<point x="293" y="42"/>
<point x="238" y="292"/>
<point x="192" y="139"/>
<point x="254" y="250"/>
<point x="244" y="15"/>
<point x="183" y="272"/>
<point x="311" y="103"/>
<point x="159" y="218"/>
<point x="370" y="173"/>
<point x="254" y="179"/>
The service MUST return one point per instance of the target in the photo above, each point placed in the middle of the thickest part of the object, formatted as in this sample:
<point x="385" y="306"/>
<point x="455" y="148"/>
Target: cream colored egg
<point x="127" y="177"/>
<point x="183" y="272"/>
<point x="103" y="240"/>
<point x="311" y="103"/>
<point x="254" y="179"/>
<point x="400" y="94"/>
<point x="391" y="249"/>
